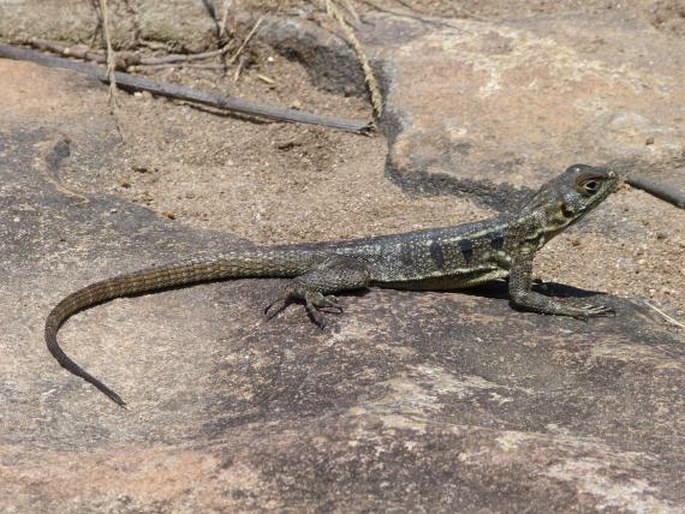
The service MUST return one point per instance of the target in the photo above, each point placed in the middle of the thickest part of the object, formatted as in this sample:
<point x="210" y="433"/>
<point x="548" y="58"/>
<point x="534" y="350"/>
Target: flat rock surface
<point x="472" y="104"/>
<point x="413" y="401"/>
<point x="506" y="101"/>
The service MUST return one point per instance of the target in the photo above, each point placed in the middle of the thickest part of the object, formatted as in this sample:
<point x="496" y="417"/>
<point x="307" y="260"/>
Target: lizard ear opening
<point x="567" y="211"/>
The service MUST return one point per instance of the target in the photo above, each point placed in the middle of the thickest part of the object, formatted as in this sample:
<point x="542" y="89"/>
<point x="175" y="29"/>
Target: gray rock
<point x="471" y="105"/>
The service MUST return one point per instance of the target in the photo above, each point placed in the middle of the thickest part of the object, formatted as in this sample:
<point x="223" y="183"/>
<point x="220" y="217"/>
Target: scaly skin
<point x="445" y="258"/>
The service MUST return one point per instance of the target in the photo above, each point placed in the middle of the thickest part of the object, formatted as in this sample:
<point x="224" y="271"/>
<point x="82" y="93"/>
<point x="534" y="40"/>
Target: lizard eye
<point x="589" y="186"/>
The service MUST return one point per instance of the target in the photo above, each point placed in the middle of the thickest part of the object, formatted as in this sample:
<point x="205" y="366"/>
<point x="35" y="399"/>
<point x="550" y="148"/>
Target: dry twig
<point x="224" y="18"/>
<point x="336" y="12"/>
<point x="666" y="317"/>
<point x="111" y="68"/>
<point x="252" y="32"/>
<point x="130" y="83"/>
<point x="124" y="60"/>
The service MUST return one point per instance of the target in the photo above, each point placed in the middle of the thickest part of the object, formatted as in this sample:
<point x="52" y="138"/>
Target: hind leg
<point x="339" y="273"/>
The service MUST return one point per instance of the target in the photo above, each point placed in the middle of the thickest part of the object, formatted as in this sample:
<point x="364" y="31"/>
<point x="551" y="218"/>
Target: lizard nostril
<point x="566" y="210"/>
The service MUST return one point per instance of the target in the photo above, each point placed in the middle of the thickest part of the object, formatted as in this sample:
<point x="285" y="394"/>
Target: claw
<point x="315" y="303"/>
<point x="329" y="304"/>
<point x="277" y="306"/>
<point x="313" y="313"/>
<point x="590" y="310"/>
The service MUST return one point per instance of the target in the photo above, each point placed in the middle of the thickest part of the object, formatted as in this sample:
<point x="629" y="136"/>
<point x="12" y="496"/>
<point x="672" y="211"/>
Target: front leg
<point x="521" y="295"/>
<point x="338" y="273"/>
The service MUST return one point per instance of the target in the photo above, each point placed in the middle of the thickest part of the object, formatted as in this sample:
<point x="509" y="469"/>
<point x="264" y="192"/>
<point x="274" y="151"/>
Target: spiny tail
<point x="239" y="265"/>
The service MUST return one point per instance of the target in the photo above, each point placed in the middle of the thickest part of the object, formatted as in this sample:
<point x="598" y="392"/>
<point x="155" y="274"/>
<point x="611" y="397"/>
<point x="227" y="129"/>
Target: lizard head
<point x="568" y="197"/>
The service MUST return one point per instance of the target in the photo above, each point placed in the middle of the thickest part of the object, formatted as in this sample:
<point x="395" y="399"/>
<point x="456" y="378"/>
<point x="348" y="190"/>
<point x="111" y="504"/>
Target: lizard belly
<point x="459" y="280"/>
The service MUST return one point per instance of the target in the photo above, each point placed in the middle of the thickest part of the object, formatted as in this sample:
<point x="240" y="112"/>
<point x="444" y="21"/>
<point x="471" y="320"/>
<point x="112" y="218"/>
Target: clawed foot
<point x="536" y="302"/>
<point x="592" y="311"/>
<point x="314" y="302"/>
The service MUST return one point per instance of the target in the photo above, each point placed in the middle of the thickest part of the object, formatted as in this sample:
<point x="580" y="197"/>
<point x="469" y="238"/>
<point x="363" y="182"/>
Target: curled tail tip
<point x="117" y="399"/>
<point x="109" y="393"/>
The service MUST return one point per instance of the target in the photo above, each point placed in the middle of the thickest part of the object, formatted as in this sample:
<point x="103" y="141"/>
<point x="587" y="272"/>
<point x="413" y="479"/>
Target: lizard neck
<point x="534" y="228"/>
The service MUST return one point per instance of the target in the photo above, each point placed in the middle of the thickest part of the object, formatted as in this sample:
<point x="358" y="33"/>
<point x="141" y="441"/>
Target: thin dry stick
<point x="239" y="69"/>
<point x="224" y="18"/>
<point x="181" y="58"/>
<point x="237" y="105"/>
<point x="668" y="318"/>
<point x="79" y="52"/>
<point x="334" y="11"/>
<point x="247" y="40"/>
<point x="125" y="60"/>
<point x="111" y="71"/>
<point x="348" y="8"/>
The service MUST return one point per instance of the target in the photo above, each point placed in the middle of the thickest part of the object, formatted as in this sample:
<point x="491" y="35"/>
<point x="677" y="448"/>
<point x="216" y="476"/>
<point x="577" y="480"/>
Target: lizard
<point x="447" y="258"/>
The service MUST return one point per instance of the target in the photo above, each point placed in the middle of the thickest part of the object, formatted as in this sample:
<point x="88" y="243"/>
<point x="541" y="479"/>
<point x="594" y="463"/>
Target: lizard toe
<point x="276" y="307"/>
<point x="598" y="310"/>
<point x="315" y="315"/>
<point x="316" y="303"/>
<point x="330" y="304"/>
